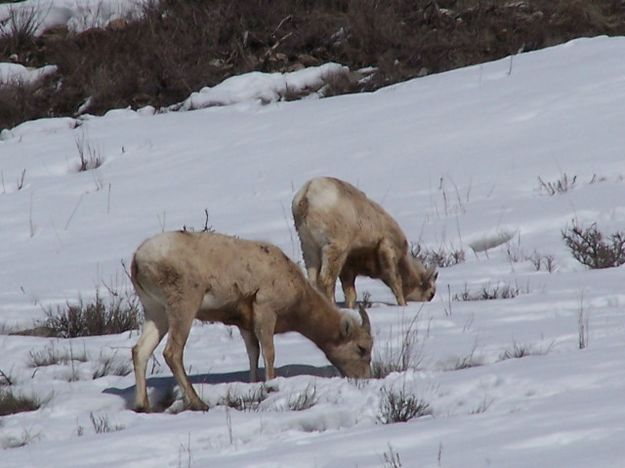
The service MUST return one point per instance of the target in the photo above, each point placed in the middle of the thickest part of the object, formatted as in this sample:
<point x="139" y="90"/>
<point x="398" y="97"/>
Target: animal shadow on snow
<point x="163" y="384"/>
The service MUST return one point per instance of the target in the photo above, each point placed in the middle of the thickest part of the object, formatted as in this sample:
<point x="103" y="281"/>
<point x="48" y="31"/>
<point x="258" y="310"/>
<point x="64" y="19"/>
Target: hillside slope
<point x="454" y="157"/>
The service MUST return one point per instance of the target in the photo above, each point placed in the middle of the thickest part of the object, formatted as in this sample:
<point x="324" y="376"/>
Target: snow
<point x="262" y="87"/>
<point x="454" y="157"/>
<point x="15" y="73"/>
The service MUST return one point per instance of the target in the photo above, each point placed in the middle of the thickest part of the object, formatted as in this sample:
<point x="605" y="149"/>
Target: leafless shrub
<point x="115" y="315"/>
<point x="488" y="292"/>
<point x="18" y="30"/>
<point x="11" y="402"/>
<point x="467" y="361"/>
<point x="391" y="458"/>
<point x="589" y="246"/>
<point x="541" y="261"/>
<point x="249" y="401"/>
<point x="400" y="406"/>
<point x="102" y="424"/>
<point x="440" y="257"/>
<point x="111" y="365"/>
<point x="50" y="355"/>
<point x="558" y="186"/>
<point x="303" y="400"/>
<point x="401" y="352"/>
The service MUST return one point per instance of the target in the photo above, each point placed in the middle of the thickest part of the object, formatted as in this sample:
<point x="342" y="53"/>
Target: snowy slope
<point x="454" y="157"/>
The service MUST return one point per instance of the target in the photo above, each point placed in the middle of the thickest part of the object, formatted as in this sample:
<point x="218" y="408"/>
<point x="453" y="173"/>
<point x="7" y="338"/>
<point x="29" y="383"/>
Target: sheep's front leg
<point x="390" y="272"/>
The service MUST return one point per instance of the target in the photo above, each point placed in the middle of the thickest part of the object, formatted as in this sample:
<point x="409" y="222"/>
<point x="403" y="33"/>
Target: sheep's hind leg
<point x="179" y="328"/>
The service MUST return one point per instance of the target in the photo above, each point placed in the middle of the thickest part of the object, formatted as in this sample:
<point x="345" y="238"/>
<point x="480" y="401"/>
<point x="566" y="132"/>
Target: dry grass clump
<point x="11" y="402"/>
<point x="117" y="314"/>
<point x="400" y="352"/>
<point x="441" y="257"/>
<point x="401" y="406"/>
<point x="488" y="293"/>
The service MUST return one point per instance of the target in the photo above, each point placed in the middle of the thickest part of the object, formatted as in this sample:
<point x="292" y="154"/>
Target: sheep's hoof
<point x="142" y="409"/>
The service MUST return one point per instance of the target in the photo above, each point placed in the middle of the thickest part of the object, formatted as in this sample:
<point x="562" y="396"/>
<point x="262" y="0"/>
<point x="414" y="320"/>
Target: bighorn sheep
<point x="344" y="234"/>
<point x="180" y="276"/>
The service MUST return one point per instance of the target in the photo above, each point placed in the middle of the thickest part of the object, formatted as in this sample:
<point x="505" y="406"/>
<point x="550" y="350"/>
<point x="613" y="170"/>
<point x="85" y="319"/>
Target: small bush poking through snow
<point x="400" y="406"/>
<point x="111" y="365"/>
<point x="468" y="361"/>
<point x="99" y="317"/>
<point x="102" y="424"/>
<point x="483" y="406"/>
<point x="50" y="355"/>
<point x="518" y="351"/>
<point x="543" y="262"/>
<point x="11" y="403"/>
<point x="89" y="156"/>
<point x="589" y="246"/>
<point x="440" y="257"/>
<point x="303" y="400"/>
<point x="558" y="186"/>
<point x="391" y="458"/>
<point x="400" y="354"/>
<point x="487" y="293"/>
<point x="249" y="401"/>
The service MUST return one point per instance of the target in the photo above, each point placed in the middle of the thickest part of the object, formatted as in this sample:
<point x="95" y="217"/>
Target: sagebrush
<point x="100" y="316"/>
<point x="594" y="249"/>
<point x="401" y="406"/>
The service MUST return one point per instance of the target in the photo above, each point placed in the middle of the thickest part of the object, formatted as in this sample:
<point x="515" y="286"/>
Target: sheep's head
<point x="351" y="353"/>
<point x="422" y="288"/>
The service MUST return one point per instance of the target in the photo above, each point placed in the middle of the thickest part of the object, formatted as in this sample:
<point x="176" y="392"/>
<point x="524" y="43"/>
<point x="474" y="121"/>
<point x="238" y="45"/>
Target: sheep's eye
<point x="362" y="350"/>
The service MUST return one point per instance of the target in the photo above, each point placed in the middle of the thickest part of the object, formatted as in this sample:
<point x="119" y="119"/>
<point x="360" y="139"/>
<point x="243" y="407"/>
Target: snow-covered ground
<point x="15" y="73"/>
<point x="454" y="157"/>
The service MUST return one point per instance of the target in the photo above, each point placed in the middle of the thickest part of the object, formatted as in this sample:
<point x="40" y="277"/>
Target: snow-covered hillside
<point x="455" y="158"/>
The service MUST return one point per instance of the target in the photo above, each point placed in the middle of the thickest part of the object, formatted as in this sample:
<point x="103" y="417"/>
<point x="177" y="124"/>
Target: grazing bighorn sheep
<point x="345" y="234"/>
<point x="180" y="276"/>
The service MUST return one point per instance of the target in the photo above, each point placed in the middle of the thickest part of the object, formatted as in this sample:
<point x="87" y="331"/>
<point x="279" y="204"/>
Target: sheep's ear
<point x="347" y="326"/>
